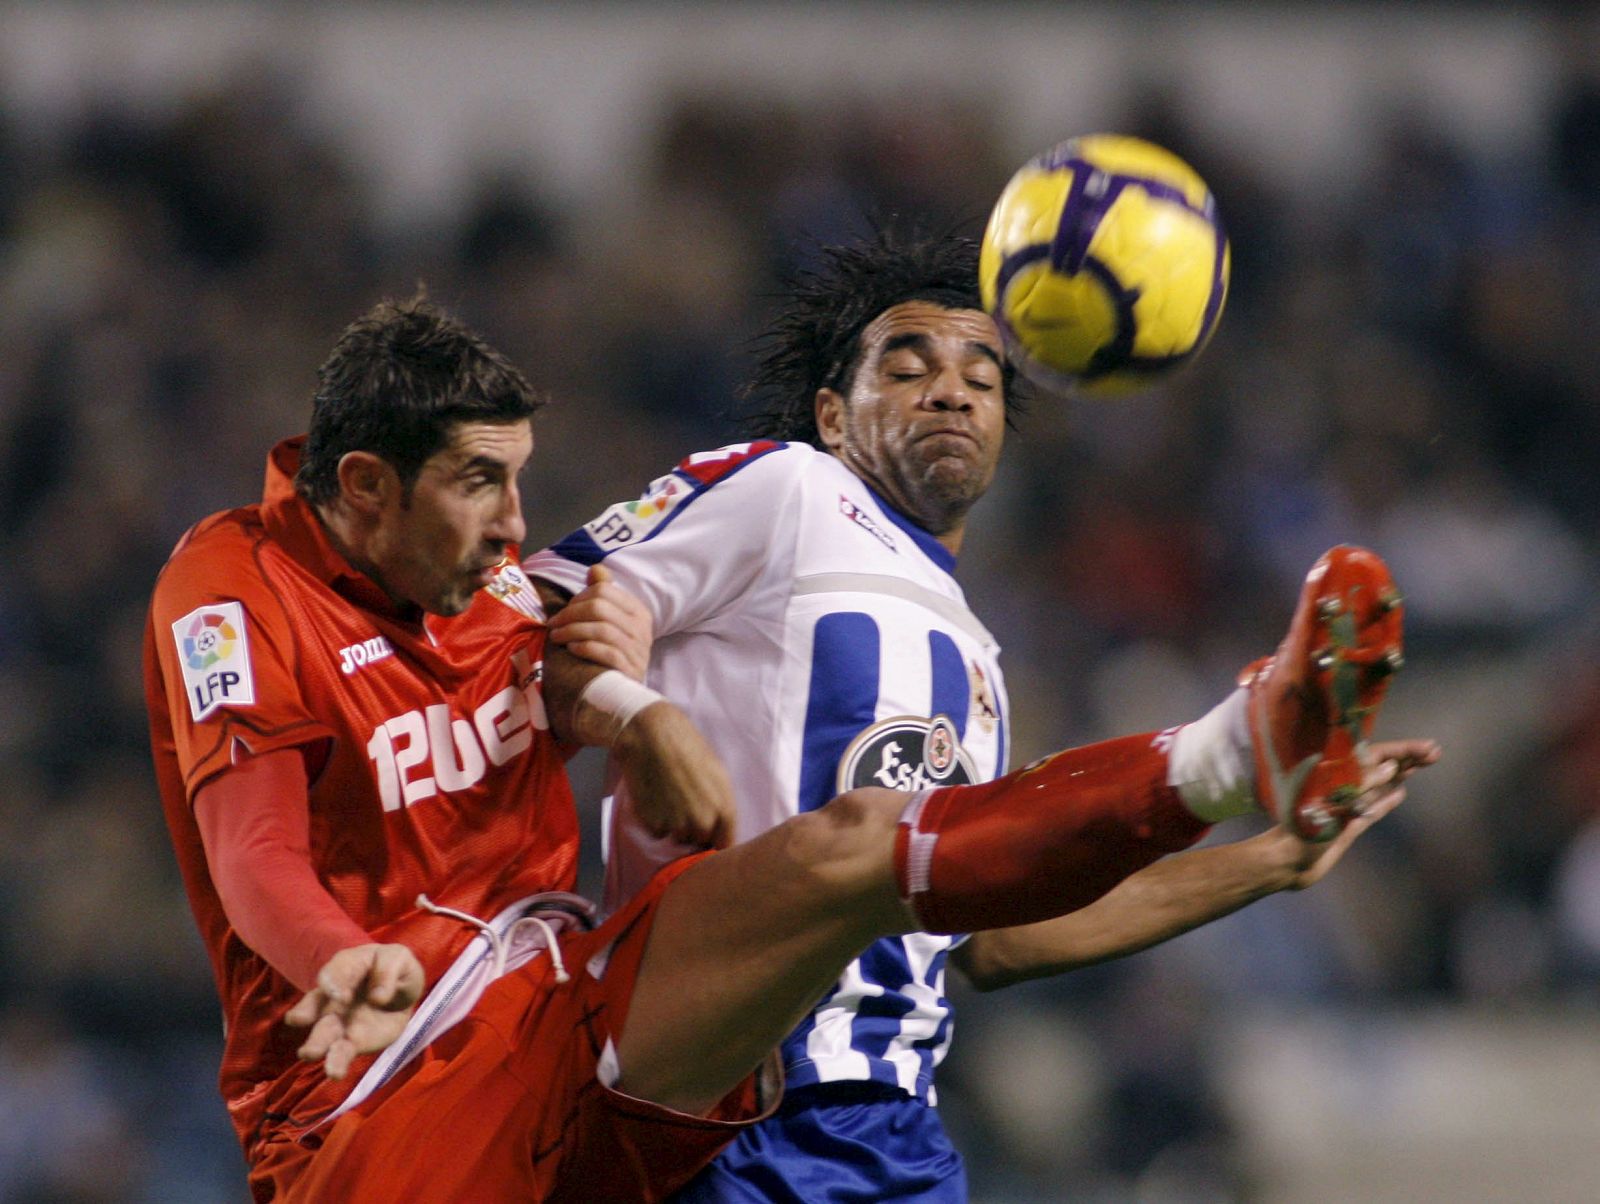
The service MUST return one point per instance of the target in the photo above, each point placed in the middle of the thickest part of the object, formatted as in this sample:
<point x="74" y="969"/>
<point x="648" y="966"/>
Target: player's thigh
<point x="516" y="1102"/>
<point x="746" y="941"/>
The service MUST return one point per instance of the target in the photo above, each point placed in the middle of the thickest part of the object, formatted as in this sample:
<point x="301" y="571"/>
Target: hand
<point x="362" y="1002"/>
<point x="607" y="625"/>
<point x="1389" y="764"/>
<point x="678" y="785"/>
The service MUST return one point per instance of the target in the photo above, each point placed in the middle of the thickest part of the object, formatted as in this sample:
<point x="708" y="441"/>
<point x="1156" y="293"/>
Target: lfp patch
<point x="215" y="655"/>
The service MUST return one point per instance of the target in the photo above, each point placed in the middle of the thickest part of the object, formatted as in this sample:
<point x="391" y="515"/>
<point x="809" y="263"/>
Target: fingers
<point x="406" y="975"/>
<point x="592" y="612"/>
<point x="603" y="643"/>
<point x="384" y="980"/>
<point x="1409" y="755"/>
<point x="338" y="1040"/>
<point x="333" y="989"/>
<point x="722" y="834"/>
<point x="1380" y="804"/>
<point x="305" y="1013"/>
<point x="712" y="830"/>
<point x="328" y="1030"/>
<point x="340" y="1055"/>
<point x="326" y="1008"/>
<point x="704" y="827"/>
<point x="602" y="594"/>
<point x="363" y="999"/>
<point x="321" y="1009"/>
<point x="1380" y="773"/>
<point x="1390" y="763"/>
<point x="1381" y="789"/>
<point x="607" y="625"/>
<point x="369" y="1030"/>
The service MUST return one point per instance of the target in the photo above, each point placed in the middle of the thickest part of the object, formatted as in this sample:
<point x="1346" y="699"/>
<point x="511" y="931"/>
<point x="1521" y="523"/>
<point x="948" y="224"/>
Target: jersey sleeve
<point x="223" y="663"/>
<point x="696" y="539"/>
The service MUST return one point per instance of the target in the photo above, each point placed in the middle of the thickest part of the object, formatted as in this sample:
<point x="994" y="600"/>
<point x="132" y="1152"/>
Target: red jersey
<point x="431" y="763"/>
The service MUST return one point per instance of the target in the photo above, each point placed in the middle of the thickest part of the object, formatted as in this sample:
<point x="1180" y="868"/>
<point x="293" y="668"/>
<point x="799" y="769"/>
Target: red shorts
<point x="506" y="1106"/>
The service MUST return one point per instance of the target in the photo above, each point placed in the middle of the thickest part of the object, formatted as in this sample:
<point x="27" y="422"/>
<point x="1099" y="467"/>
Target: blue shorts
<point x="839" y="1143"/>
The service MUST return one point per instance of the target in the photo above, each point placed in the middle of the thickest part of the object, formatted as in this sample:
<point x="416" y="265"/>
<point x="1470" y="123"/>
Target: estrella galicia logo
<point x="907" y="752"/>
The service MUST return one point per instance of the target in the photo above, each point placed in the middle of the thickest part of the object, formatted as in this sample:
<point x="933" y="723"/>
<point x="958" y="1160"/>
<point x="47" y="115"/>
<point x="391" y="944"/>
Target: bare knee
<point x="849" y="842"/>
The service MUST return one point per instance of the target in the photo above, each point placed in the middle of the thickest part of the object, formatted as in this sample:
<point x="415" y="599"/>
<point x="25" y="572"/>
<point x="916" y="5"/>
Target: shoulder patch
<point x="703" y="468"/>
<point x="214" y="654"/>
<point x="631" y="522"/>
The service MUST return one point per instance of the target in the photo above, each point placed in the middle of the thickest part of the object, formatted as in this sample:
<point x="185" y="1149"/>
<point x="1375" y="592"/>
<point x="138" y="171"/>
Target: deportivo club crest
<point x="984" y="709"/>
<point x="907" y="752"/>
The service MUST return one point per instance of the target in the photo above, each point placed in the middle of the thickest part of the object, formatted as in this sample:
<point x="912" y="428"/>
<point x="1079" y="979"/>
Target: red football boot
<point x="1312" y="703"/>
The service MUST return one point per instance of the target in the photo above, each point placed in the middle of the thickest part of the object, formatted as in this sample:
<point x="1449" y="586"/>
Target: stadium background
<point x="195" y="198"/>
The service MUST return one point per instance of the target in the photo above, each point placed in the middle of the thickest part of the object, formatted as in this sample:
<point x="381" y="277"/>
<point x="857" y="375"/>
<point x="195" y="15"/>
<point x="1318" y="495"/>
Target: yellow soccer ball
<point x="1104" y="264"/>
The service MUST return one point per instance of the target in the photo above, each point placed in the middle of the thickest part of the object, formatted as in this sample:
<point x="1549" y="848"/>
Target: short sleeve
<point x="221" y="663"/>
<point x="694" y="541"/>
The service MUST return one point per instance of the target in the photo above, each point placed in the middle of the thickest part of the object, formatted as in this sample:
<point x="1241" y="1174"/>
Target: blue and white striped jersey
<point x="817" y="638"/>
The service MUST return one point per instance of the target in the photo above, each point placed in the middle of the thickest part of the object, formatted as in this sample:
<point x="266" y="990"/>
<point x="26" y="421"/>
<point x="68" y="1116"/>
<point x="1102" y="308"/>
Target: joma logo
<point x="364" y="653"/>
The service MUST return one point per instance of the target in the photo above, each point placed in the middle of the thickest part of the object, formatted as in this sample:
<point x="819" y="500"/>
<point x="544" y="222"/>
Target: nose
<point x="949" y="391"/>
<point x="507" y="526"/>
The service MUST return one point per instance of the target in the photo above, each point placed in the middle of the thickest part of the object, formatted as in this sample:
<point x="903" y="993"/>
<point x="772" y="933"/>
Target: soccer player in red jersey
<point x="358" y="729"/>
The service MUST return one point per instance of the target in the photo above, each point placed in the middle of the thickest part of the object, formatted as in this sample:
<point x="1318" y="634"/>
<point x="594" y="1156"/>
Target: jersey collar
<point x="294" y="525"/>
<point x="924" y="539"/>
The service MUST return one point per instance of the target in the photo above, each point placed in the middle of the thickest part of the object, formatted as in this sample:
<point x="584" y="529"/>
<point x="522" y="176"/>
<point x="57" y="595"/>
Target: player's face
<point x="925" y="416"/>
<point x="440" y="546"/>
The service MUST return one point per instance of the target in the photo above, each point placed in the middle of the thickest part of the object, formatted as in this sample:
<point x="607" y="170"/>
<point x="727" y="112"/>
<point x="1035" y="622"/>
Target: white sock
<point x="1212" y="761"/>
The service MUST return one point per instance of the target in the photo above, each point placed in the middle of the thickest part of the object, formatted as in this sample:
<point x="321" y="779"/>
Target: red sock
<point x="1040" y="842"/>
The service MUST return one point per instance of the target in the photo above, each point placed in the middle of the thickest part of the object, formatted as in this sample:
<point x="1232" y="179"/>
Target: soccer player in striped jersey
<point x="807" y="617"/>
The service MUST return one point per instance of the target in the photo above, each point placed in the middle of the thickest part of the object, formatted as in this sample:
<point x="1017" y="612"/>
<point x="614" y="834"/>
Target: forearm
<point x="254" y="823"/>
<point x="582" y="708"/>
<point x="1164" y="900"/>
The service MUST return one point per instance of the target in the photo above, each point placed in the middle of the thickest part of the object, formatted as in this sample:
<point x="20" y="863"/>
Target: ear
<point x="829" y="407"/>
<point x="366" y="481"/>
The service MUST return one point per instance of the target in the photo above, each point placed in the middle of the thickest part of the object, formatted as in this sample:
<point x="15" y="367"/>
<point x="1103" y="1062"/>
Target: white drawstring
<point x="501" y="944"/>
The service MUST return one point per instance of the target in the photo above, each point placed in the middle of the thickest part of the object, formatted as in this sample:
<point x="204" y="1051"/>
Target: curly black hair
<point x="815" y="341"/>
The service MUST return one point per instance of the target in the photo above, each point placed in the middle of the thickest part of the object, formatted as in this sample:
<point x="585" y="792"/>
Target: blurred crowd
<point x="1409" y="363"/>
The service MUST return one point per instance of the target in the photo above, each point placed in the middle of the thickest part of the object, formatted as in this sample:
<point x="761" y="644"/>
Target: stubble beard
<point x="943" y="492"/>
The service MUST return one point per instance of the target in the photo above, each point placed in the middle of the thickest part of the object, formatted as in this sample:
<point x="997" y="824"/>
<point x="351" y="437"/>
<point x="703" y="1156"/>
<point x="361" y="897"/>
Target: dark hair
<point x="815" y="341"/>
<point x="397" y="382"/>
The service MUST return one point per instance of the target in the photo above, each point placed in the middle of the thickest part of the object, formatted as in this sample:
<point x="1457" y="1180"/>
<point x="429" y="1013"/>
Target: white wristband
<point x="617" y="698"/>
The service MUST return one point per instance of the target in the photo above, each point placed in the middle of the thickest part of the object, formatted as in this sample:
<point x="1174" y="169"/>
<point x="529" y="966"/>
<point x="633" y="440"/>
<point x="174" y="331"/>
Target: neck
<point x="944" y="530"/>
<point x="345" y="533"/>
<point x="945" y="534"/>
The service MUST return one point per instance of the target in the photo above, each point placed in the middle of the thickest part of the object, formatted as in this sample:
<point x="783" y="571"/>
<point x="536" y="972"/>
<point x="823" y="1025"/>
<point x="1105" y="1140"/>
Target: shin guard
<point x="1040" y="842"/>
